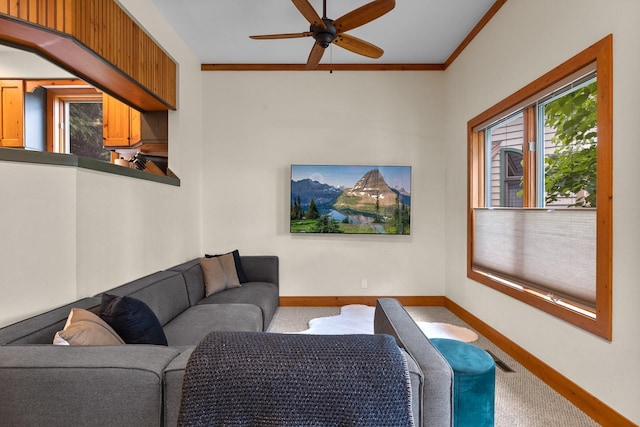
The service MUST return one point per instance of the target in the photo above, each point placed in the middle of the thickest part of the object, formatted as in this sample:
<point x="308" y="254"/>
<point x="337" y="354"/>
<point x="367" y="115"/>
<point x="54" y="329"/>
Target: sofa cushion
<point x="256" y="268"/>
<point x="261" y="268"/>
<point x="193" y="277"/>
<point x="86" y="328"/>
<point x="50" y="385"/>
<point x="164" y="292"/>
<point x="198" y="321"/>
<point x="132" y="319"/>
<point x="242" y="277"/>
<point x="261" y="294"/>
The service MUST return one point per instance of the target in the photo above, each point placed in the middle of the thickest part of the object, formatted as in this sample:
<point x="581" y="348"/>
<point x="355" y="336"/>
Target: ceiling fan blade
<point x="281" y="36"/>
<point x="358" y="46"/>
<point x="309" y="13"/>
<point x="315" y="56"/>
<point x="363" y="14"/>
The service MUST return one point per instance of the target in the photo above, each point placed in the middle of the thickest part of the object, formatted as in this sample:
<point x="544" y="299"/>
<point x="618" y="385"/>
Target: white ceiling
<point x="414" y="32"/>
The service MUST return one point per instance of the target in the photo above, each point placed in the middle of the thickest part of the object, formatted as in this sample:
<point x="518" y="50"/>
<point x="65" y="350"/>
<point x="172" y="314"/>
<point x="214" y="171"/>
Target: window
<point x="76" y="122"/>
<point x="511" y="177"/>
<point x="83" y="135"/>
<point x="540" y="192"/>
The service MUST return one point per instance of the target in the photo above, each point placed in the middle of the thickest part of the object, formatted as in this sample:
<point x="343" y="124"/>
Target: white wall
<point x="67" y="233"/>
<point x="523" y="41"/>
<point x="26" y="65"/>
<point x="257" y="124"/>
<point x="37" y="239"/>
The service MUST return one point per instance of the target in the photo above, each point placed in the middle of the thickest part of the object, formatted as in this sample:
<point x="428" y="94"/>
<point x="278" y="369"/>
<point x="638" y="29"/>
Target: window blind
<point x="552" y="251"/>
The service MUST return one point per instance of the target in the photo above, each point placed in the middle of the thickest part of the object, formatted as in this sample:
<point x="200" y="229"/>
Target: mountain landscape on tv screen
<point x="369" y="206"/>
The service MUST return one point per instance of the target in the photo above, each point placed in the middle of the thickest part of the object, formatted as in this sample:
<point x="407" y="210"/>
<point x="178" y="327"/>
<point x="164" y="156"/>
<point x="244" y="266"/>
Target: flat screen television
<point x="350" y="199"/>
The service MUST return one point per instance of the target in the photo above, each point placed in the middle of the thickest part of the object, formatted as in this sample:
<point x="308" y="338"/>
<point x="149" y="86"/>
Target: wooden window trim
<point x="55" y="98"/>
<point x="600" y="53"/>
<point x="530" y="158"/>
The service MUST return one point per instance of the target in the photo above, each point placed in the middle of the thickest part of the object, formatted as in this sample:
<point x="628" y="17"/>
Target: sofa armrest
<point x="437" y="390"/>
<point x="261" y="268"/>
<point x="88" y="385"/>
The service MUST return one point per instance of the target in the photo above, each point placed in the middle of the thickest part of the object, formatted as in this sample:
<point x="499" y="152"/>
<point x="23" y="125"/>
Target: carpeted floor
<point x="358" y="319"/>
<point x="522" y="400"/>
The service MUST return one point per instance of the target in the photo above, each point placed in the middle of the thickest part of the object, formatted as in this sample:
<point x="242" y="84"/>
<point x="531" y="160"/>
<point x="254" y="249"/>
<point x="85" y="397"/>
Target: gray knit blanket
<point x="264" y="379"/>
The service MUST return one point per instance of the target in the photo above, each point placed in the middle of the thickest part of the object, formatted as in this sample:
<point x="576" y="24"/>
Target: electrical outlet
<point x="363" y="284"/>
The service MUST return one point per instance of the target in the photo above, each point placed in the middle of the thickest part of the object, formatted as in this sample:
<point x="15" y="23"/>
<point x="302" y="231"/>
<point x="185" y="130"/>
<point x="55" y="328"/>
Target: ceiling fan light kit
<point x="326" y="31"/>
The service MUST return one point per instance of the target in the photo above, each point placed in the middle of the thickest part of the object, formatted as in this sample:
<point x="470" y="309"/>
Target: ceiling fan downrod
<point x="324" y="36"/>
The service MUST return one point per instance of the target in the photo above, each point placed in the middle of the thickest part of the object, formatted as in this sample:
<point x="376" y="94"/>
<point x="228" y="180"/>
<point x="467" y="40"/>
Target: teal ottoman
<point x="474" y="382"/>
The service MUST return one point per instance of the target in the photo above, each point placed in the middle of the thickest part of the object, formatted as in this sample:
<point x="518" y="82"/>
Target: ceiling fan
<point x="326" y="31"/>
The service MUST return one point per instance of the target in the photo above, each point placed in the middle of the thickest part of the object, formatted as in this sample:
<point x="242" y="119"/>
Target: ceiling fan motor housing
<point x="324" y="36"/>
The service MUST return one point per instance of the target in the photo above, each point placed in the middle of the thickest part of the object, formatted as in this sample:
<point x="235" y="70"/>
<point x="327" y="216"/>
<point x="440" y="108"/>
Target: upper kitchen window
<point x="74" y="120"/>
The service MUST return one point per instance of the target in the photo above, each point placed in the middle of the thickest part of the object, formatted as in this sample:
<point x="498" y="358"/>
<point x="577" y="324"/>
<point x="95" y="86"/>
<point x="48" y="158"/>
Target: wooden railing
<point x="99" y="42"/>
<point x="54" y="14"/>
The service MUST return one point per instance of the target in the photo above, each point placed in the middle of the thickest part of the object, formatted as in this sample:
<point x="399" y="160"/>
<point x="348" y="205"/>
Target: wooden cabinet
<point x="11" y="113"/>
<point x="124" y="126"/>
<point x="120" y="123"/>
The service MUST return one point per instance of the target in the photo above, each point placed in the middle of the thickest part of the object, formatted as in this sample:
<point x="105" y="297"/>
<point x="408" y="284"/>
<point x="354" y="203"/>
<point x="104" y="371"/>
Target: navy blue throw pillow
<point x="242" y="277"/>
<point x="132" y="319"/>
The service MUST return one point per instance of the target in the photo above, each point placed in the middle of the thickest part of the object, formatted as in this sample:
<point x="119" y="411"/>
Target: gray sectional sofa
<point x="137" y="385"/>
<point x="141" y="384"/>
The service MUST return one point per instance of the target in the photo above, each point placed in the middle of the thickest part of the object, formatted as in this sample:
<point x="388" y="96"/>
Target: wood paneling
<point x="106" y="29"/>
<point x="53" y="14"/>
<point x="99" y="42"/>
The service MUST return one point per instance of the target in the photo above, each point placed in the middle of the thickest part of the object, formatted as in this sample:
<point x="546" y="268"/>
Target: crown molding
<point x="322" y="67"/>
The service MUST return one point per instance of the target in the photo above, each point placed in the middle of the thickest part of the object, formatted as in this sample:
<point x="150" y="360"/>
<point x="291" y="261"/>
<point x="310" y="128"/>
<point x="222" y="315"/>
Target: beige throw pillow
<point x="214" y="278"/>
<point x="219" y="273"/>
<point x="86" y="328"/>
<point x="229" y="268"/>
